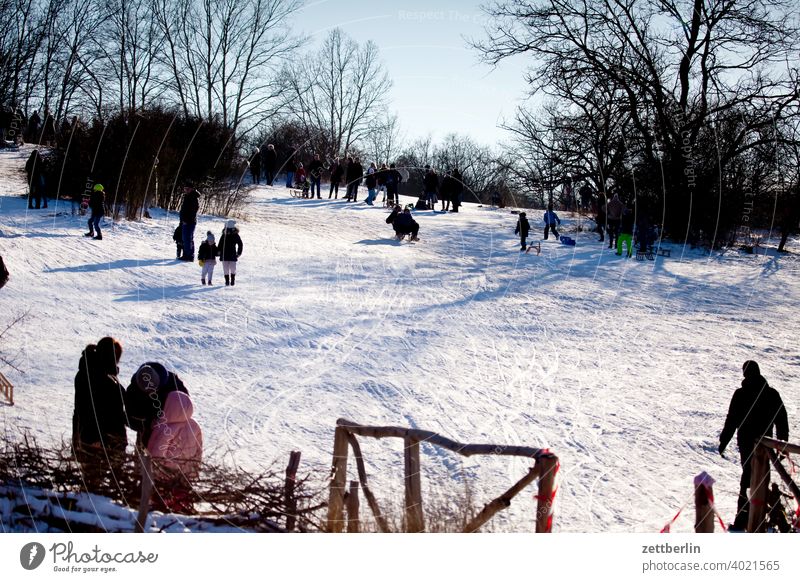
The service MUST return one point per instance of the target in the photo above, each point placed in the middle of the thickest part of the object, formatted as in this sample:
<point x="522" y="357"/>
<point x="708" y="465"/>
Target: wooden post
<point x="338" y="481"/>
<point x="501" y="502"/>
<point x="7" y="389"/>
<point x="353" y="525"/>
<point x="547" y="480"/>
<point x="383" y="526"/>
<point x="759" y="483"/>
<point x="703" y="503"/>
<point x="290" y="503"/>
<point x="146" y="465"/>
<point x="415" y="520"/>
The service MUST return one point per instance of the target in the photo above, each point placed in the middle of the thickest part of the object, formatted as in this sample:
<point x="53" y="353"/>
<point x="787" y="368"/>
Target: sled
<point x="565" y="240"/>
<point x="297" y="193"/>
<point x="538" y="248"/>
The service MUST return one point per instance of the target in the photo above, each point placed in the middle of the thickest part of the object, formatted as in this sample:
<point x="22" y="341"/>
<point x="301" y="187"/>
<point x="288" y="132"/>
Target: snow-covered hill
<point x="622" y="368"/>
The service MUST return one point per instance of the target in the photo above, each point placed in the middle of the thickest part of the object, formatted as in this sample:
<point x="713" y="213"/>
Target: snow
<point x="624" y="369"/>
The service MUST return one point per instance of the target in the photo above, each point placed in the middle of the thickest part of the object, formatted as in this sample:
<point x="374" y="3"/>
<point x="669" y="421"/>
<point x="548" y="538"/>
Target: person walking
<point x="550" y="219"/>
<point x="614" y="211"/>
<point x="754" y="410"/>
<point x="255" y="165"/>
<point x="188" y="216"/>
<point x="230" y="249"/>
<point x="34" y="168"/>
<point x="522" y="229"/>
<point x="353" y="176"/>
<point x="371" y="182"/>
<point x="97" y="204"/>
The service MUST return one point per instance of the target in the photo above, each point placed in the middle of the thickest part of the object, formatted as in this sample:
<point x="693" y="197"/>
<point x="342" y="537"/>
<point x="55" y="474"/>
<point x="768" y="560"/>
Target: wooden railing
<point x="544" y="469"/>
<point x="7" y="389"/>
<point x="766" y="452"/>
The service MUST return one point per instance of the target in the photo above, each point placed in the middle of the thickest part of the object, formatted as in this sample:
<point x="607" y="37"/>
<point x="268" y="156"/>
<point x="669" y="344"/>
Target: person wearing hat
<point x="207" y="255"/>
<point x="97" y="204"/>
<point x="522" y="229"/>
<point x="188" y="215"/>
<point x="754" y="409"/>
<point x="146" y="396"/>
<point x="98" y="420"/>
<point x="230" y="249"/>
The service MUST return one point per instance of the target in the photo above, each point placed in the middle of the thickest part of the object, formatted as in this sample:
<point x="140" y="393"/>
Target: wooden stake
<point x="7" y="389"/>
<point x="146" y="464"/>
<point x="544" y="511"/>
<point x="353" y="525"/>
<point x="759" y="483"/>
<point x="338" y="481"/>
<point x="703" y="507"/>
<point x="415" y="521"/>
<point x="383" y="526"/>
<point x="290" y="503"/>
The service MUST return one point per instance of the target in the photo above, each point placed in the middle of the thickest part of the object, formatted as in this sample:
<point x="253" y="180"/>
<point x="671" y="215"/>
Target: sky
<point x="440" y="85"/>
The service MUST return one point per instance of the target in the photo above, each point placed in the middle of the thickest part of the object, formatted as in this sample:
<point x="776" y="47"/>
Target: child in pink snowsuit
<point x="176" y="446"/>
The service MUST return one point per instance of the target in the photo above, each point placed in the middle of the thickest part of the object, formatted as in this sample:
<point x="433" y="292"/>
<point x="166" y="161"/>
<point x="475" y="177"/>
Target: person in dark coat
<point x="97" y="204"/>
<point x="393" y="179"/>
<point x="230" y="248"/>
<point x="188" y="216"/>
<point x="98" y="420"/>
<point x="315" y="174"/>
<point x="34" y="123"/>
<point x="353" y="176"/>
<point x="754" y="410"/>
<point x="177" y="236"/>
<point x="34" y="168"/>
<point x="337" y="171"/>
<point x="600" y="220"/>
<point x="49" y="128"/>
<point x="457" y="189"/>
<point x="146" y="395"/>
<point x="430" y="183"/>
<point x="614" y="212"/>
<point x="446" y="191"/>
<point x="522" y="229"/>
<point x="270" y="160"/>
<point x="405" y="224"/>
<point x="394" y="214"/>
<point x="255" y="165"/>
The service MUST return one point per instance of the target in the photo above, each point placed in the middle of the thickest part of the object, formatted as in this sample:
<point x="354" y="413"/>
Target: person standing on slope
<point x="457" y="189"/>
<point x="393" y="179"/>
<point x="430" y="181"/>
<point x="614" y="211"/>
<point x="97" y="204"/>
<point x="188" y="216"/>
<point x="255" y="165"/>
<point x="353" y="176"/>
<point x="371" y="181"/>
<point x="207" y="255"/>
<point x="337" y="171"/>
<point x="230" y="248"/>
<point x="315" y="173"/>
<point x="625" y="233"/>
<point x="523" y="228"/>
<point x="754" y="409"/>
<point x="270" y="159"/>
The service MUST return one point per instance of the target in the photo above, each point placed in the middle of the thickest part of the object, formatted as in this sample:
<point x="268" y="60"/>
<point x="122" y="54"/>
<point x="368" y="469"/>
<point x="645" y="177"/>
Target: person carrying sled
<point x="404" y="224"/>
<point x="522" y="229"/>
<point x="230" y="249"/>
<point x="97" y="204"/>
<point x="207" y="255"/>
<point x="754" y="410"/>
<point x="550" y="219"/>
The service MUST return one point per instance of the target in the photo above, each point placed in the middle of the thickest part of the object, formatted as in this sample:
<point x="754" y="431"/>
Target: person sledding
<point x="404" y="224"/>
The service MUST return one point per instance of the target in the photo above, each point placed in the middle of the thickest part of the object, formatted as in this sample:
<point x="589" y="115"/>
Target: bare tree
<point x="339" y="92"/>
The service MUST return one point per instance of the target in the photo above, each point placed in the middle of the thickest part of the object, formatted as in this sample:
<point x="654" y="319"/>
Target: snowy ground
<point x="622" y="368"/>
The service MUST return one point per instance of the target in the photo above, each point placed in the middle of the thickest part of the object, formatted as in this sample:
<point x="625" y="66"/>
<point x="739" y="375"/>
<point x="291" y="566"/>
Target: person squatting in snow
<point x="522" y="229"/>
<point x="206" y="255"/>
<point x="176" y="448"/>
<point x="754" y="409"/>
<point x="230" y="248"/>
<point x="403" y="223"/>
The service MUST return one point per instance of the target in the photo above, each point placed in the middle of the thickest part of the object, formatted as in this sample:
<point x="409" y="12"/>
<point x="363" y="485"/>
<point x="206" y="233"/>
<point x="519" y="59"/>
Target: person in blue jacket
<point x="550" y="221"/>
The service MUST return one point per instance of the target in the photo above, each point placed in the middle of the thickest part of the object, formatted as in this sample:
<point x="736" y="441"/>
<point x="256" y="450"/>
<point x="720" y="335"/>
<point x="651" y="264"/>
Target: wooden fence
<point x="766" y="452"/>
<point x="6" y="389"/>
<point x="544" y="469"/>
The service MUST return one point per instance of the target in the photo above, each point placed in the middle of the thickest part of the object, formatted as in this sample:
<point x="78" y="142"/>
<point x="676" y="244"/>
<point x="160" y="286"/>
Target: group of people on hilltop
<point x="16" y="127"/>
<point x="450" y="190"/>
<point x="263" y="160"/>
<point x="620" y="224"/>
<point x="156" y="405"/>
